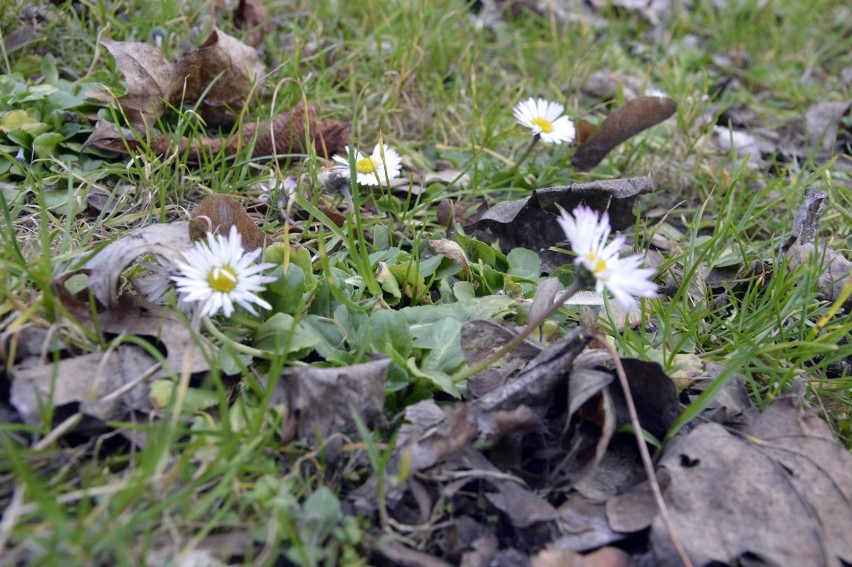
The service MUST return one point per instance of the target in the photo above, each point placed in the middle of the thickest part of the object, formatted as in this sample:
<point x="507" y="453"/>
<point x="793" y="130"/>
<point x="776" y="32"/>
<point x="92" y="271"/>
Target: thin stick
<point x="643" y="449"/>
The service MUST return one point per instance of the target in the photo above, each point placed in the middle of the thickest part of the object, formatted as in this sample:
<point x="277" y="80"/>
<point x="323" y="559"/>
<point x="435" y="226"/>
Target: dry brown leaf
<point x="153" y="82"/>
<point x="399" y="554"/>
<point x="283" y="135"/>
<point x="780" y="492"/>
<point x="531" y="222"/>
<point x="806" y="221"/>
<point x="98" y="384"/>
<point x="654" y="394"/>
<point x="589" y="426"/>
<point x="822" y="123"/>
<point x="481" y="339"/>
<point x="836" y="268"/>
<point x="453" y="251"/>
<point x="320" y="400"/>
<point x="149" y="77"/>
<point x="158" y="324"/>
<point x="635" y="116"/>
<point x="253" y="16"/>
<point x="604" y="557"/>
<point x="523" y="507"/>
<point x="217" y="213"/>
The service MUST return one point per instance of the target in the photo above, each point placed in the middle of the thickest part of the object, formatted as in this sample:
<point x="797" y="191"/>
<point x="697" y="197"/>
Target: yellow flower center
<point x="366" y="165"/>
<point x="545" y="125"/>
<point x="598" y="263"/>
<point x="222" y="279"/>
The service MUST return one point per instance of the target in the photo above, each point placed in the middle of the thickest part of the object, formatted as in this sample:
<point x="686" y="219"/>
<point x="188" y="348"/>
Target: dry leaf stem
<point x="643" y="449"/>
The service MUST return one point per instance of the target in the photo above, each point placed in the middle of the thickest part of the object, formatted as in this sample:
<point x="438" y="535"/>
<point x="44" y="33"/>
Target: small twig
<point x="643" y="449"/>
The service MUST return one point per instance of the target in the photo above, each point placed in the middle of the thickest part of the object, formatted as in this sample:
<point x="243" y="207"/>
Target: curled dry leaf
<point x="217" y="213"/>
<point x="635" y="116"/>
<point x="806" y="221"/>
<point x="531" y="222"/>
<point x="589" y="426"/>
<point x="222" y="71"/>
<point x="168" y="241"/>
<point x="567" y="557"/>
<point x="453" y="251"/>
<point x="523" y="507"/>
<point x="284" y="134"/>
<point x="801" y="246"/>
<point x="837" y="270"/>
<point x="161" y="326"/>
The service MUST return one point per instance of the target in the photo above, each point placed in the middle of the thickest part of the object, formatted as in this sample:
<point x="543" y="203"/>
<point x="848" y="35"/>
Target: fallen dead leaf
<point x="822" y="123"/>
<point x="836" y="269"/>
<point x="779" y="491"/>
<point x="100" y="384"/>
<point x="220" y="74"/>
<point x="589" y="426"/>
<point x="167" y="241"/>
<point x="604" y="557"/>
<point x="217" y="213"/>
<point x="635" y="116"/>
<point x="284" y="134"/>
<point x="806" y="221"/>
<point x="320" y="401"/>
<point x="454" y="252"/>
<point x="531" y="222"/>
<point x="481" y="339"/>
<point x="254" y="17"/>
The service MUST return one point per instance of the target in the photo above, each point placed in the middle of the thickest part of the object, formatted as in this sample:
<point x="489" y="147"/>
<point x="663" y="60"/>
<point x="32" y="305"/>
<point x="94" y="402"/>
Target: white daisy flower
<point x="545" y="120"/>
<point x="218" y="273"/>
<point x="588" y="232"/>
<point x="377" y="169"/>
<point x="657" y="92"/>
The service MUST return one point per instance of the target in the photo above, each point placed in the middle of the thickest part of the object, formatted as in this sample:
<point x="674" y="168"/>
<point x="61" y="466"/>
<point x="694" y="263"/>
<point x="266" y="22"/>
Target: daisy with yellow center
<point x="378" y="168"/>
<point x="545" y="120"/>
<point x="218" y="273"/>
<point x="588" y="232"/>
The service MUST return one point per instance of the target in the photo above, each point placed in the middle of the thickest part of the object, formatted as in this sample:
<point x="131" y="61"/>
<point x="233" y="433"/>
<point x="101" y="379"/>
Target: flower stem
<point x="576" y="286"/>
<point x="239" y="347"/>
<point x="525" y="155"/>
<point x="643" y="449"/>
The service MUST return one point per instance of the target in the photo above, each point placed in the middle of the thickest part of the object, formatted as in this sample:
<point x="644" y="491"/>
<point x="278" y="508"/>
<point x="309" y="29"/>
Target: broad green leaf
<point x="280" y="333"/>
<point x="44" y="145"/>
<point x="389" y="333"/>
<point x="331" y="345"/>
<point x="286" y="292"/>
<point x="524" y="263"/>
<point x="440" y="379"/>
<point x="231" y="362"/>
<point x="21" y="120"/>
<point x="195" y="399"/>
<point x="446" y="353"/>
